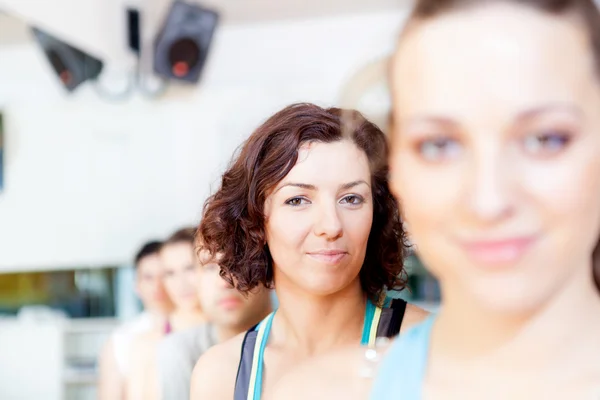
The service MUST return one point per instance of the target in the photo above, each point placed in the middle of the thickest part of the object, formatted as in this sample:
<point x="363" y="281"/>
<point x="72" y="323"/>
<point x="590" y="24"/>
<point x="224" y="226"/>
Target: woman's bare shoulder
<point x="413" y="316"/>
<point x="215" y="372"/>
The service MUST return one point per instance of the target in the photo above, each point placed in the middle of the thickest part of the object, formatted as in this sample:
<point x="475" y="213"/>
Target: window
<point x="80" y="293"/>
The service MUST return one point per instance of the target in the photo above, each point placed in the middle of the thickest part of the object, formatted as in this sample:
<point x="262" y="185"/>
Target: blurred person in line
<point x="115" y="358"/>
<point x="229" y="313"/>
<point x="308" y="211"/>
<point x="496" y="160"/>
<point x="180" y="269"/>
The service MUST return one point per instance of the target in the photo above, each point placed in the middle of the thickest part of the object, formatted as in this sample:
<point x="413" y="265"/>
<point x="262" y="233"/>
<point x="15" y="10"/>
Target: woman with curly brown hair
<point x="305" y="208"/>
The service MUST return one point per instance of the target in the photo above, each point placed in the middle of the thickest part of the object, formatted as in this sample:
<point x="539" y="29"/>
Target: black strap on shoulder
<point x="242" y="380"/>
<point x="399" y="307"/>
<point x="391" y="319"/>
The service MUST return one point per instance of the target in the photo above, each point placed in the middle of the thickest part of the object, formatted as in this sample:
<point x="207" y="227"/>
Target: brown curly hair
<point x="233" y="223"/>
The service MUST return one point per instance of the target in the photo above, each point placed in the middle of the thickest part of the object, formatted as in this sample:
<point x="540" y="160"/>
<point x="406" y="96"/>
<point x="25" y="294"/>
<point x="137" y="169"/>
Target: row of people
<point x="494" y="157"/>
<point x="188" y="308"/>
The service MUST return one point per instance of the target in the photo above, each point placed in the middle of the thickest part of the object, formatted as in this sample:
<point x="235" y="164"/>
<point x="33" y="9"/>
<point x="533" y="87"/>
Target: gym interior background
<point x="116" y="119"/>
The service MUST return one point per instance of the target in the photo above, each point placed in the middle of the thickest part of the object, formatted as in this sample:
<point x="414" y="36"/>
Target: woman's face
<point x="181" y="275"/>
<point x="319" y="218"/>
<point x="496" y="153"/>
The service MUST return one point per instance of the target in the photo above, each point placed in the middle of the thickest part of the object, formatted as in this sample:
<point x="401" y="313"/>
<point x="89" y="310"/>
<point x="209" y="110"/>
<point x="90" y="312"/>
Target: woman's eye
<point x="352" y="199"/>
<point x="439" y="149"/>
<point x="546" y="143"/>
<point x="296" y="201"/>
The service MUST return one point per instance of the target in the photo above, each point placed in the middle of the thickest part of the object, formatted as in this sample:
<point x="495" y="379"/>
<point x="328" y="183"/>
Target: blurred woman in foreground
<point x="496" y="160"/>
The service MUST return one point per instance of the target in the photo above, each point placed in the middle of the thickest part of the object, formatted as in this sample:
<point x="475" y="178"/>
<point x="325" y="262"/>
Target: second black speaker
<point x="182" y="45"/>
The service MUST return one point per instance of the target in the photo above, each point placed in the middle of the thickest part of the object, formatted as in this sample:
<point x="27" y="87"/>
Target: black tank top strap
<point x="242" y="381"/>
<point x="391" y="319"/>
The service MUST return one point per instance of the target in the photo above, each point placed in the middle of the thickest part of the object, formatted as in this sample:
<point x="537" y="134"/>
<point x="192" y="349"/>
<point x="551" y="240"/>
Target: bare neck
<point x="311" y="324"/>
<point x="182" y="319"/>
<point x="226" y="332"/>
<point x="465" y="330"/>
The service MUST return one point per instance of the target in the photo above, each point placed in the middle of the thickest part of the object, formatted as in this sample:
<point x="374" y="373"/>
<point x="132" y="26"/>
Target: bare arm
<point x="142" y="382"/>
<point x="111" y="384"/>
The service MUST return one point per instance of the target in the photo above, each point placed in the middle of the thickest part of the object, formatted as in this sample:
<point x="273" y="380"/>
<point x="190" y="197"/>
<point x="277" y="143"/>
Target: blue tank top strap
<point x="369" y="315"/>
<point x="256" y="379"/>
<point x="242" y="380"/>
<point x="247" y="368"/>
<point x="403" y="368"/>
<point x="372" y="327"/>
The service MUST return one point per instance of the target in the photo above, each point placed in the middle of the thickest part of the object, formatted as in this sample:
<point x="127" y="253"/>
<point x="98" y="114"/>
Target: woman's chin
<point x="327" y="287"/>
<point x="513" y="296"/>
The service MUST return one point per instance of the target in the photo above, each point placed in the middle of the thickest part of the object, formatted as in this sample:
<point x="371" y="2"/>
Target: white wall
<point x="87" y="181"/>
<point x="31" y="365"/>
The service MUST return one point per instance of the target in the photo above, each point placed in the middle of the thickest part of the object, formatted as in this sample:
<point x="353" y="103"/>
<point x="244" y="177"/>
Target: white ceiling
<point x="15" y="15"/>
<point x="12" y="30"/>
<point x="243" y="11"/>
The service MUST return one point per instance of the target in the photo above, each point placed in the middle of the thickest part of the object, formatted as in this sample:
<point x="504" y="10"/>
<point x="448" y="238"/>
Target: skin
<point x="150" y="289"/>
<point x="522" y="148"/>
<point x="495" y="161"/>
<point x="181" y="284"/>
<point x="111" y="383"/>
<point x="325" y="202"/>
<point x="228" y="310"/>
<point x="149" y="285"/>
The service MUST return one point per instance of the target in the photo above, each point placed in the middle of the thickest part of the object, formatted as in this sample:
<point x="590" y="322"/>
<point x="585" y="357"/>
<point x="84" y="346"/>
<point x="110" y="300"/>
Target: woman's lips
<point x="498" y="251"/>
<point x="331" y="257"/>
<point x="229" y="303"/>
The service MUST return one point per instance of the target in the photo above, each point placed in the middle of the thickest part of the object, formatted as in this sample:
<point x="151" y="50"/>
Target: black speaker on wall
<point x="133" y="30"/>
<point x="182" y="46"/>
<point x="72" y="66"/>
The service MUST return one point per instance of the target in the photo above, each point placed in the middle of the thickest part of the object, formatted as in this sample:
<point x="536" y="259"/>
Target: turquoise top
<point x="402" y="371"/>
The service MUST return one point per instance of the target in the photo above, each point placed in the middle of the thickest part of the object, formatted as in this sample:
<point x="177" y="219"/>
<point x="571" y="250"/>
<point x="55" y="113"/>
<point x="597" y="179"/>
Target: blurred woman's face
<point x="319" y="218"/>
<point x="181" y="274"/>
<point x="149" y="284"/>
<point x="496" y="152"/>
